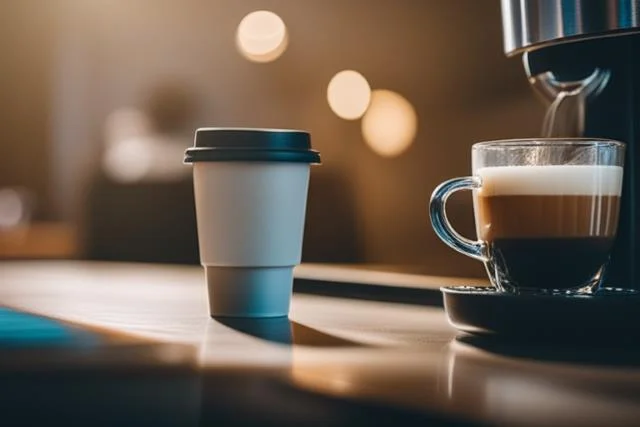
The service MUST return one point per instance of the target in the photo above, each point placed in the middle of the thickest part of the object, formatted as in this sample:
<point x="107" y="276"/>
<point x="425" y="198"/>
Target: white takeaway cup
<point x="250" y="189"/>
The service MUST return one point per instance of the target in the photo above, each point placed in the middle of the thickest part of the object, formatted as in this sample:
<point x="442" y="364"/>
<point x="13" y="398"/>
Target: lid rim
<point x="249" y="155"/>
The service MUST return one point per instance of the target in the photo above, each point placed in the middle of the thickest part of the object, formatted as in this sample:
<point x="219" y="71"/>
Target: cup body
<point x="250" y="188"/>
<point x="250" y="214"/>
<point x="250" y="218"/>
<point x="546" y="212"/>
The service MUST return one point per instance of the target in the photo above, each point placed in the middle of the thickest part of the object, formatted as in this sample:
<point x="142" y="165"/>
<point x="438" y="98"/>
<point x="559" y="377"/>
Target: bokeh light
<point x="129" y="160"/>
<point x="349" y="94"/>
<point x="390" y="124"/>
<point x="12" y="208"/>
<point x="126" y="157"/>
<point x="262" y="36"/>
<point x="125" y="123"/>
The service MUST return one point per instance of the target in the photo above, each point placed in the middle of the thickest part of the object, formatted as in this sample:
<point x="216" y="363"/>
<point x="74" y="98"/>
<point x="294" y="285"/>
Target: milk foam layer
<point x="550" y="180"/>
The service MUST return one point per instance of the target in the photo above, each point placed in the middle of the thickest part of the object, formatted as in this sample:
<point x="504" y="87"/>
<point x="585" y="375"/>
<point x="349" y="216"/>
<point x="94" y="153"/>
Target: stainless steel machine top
<point x="536" y="23"/>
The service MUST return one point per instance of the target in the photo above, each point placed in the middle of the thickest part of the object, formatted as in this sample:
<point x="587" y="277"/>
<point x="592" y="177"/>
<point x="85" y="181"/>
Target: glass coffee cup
<point x="546" y="212"/>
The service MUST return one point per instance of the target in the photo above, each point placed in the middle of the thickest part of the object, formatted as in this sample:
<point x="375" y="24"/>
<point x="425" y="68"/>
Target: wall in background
<point x="444" y="56"/>
<point x="26" y="58"/>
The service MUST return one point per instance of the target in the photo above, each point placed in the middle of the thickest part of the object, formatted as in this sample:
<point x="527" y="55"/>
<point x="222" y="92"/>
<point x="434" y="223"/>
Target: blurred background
<point x="99" y="99"/>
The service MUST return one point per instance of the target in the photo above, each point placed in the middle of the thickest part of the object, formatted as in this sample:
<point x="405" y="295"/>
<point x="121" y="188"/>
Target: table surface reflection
<point x="404" y="356"/>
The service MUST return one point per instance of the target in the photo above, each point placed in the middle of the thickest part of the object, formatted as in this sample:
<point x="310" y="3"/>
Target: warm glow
<point x="349" y="94"/>
<point x="262" y="36"/>
<point x="390" y="124"/>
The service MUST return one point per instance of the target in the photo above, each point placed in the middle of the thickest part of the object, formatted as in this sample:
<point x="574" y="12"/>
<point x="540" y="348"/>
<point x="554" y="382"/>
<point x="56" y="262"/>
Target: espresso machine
<point x="583" y="59"/>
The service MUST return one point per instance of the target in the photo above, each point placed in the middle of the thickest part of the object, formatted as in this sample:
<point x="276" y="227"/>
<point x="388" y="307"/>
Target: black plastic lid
<point x="251" y="145"/>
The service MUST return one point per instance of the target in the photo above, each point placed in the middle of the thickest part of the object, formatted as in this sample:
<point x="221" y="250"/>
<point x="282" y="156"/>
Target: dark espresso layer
<point x="550" y="263"/>
<point x="548" y="241"/>
<point x="546" y="216"/>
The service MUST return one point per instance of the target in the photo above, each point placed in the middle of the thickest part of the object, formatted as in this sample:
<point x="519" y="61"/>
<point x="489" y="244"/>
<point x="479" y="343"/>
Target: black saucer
<point x="611" y="314"/>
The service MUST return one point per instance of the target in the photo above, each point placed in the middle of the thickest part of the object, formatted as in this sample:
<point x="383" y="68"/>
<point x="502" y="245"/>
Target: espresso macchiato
<point x="548" y="227"/>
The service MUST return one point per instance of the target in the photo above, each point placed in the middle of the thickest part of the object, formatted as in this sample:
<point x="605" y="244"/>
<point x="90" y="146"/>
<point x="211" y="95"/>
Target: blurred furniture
<point x="331" y="231"/>
<point x="140" y="221"/>
<point x="336" y="361"/>
<point x="39" y="240"/>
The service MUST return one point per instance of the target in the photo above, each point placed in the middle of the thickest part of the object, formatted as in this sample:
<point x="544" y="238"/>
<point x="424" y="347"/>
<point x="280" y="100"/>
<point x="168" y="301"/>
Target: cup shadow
<point x="624" y="353"/>
<point x="281" y="330"/>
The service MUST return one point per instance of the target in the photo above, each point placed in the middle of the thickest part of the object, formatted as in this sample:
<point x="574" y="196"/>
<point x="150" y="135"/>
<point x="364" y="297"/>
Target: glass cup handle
<point x="442" y="226"/>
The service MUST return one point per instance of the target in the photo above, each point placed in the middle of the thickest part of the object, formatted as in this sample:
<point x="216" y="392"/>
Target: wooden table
<point x="336" y="361"/>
